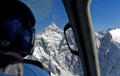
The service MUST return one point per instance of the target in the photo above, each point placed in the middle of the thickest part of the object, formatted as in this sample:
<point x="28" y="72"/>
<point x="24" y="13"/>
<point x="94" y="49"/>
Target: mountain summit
<point x="52" y="28"/>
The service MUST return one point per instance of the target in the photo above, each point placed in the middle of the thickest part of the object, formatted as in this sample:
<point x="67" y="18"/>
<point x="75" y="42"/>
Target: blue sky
<point x="46" y="12"/>
<point x="105" y="13"/>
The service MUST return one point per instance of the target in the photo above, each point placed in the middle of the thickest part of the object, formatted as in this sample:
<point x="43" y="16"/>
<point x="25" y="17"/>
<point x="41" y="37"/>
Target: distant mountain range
<point x="108" y="44"/>
<point x="51" y="49"/>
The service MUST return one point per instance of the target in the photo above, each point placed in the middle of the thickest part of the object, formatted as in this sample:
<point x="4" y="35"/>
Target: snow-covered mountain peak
<point x="52" y="28"/>
<point x="115" y="33"/>
<point x="52" y="33"/>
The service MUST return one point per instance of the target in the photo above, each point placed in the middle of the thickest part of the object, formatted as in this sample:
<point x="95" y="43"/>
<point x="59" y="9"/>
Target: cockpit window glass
<point x="50" y="46"/>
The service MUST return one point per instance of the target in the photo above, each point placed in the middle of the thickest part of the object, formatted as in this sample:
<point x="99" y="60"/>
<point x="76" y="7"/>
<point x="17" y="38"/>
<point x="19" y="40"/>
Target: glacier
<point x="51" y="49"/>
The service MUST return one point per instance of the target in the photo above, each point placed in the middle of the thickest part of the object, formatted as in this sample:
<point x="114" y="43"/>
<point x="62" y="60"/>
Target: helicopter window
<point x="50" y="45"/>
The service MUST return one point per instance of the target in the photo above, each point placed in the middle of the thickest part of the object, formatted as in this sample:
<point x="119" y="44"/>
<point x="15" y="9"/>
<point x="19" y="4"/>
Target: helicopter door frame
<point x="79" y="18"/>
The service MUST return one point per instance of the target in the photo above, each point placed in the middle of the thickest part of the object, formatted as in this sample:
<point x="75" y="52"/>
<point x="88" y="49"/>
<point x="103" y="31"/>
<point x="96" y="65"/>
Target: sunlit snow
<point x="116" y="35"/>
